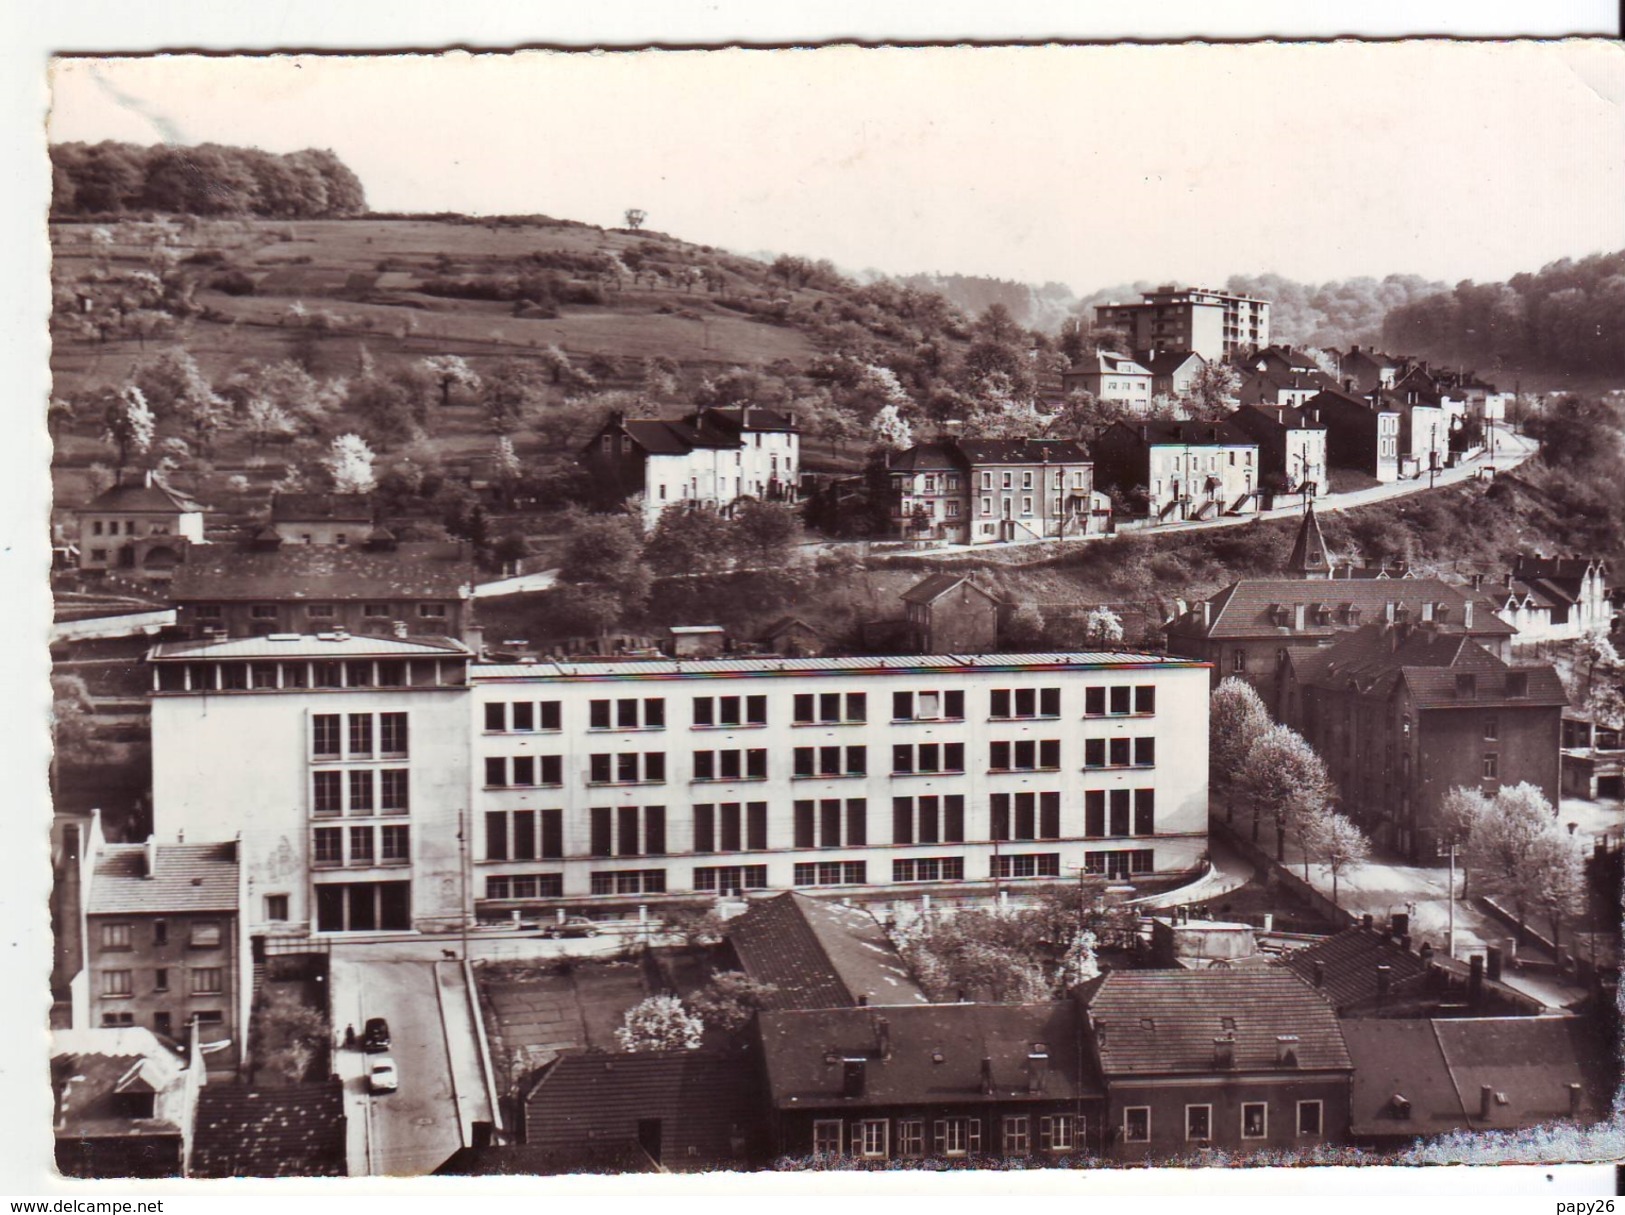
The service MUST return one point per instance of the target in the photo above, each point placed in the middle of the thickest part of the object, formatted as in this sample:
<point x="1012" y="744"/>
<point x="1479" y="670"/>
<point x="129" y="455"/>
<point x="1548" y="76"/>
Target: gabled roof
<point x="317" y="572"/>
<point x="245" y="1131"/>
<point x="1375" y="658"/>
<point x="747" y="418"/>
<point x="1348" y="962"/>
<point x="1161" y="1022"/>
<point x="1243" y="609"/>
<point x="1441" y="1067"/>
<point x="1108" y="362"/>
<point x="930" y="589"/>
<point x="1336" y="399"/>
<point x="337" y="508"/>
<point x="785" y="624"/>
<point x="150" y="495"/>
<point x="1165" y="362"/>
<point x="819" y="954"/>
<point x="660" y="438"/>
<point x="925" y="457"/>
<point x="934" y="1058"/>
<point x="1022" y="451"/>
<point x="705" y="1101"/>
<point x="89" y="1066"/>
<point x="1253" y="418"/>
<point x="1163" y="432"/>
<point x="1571" y="570"/>
<point x="188" y="878"/>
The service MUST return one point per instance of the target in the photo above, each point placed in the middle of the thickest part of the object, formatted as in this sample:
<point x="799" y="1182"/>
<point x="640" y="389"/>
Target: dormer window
<point x="1467" y="687"/>
<point x="1517" y="683"/>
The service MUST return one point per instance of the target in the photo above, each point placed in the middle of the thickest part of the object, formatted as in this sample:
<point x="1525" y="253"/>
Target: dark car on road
<point x="375" y="1037"/>
<point x="575" y="926"/>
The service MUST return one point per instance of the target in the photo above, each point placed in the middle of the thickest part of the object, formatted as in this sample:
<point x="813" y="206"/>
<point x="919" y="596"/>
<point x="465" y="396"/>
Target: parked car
<point x="575" y="926"/>
<point x="375" y="1037"/>
<point x="381" y="1075"/>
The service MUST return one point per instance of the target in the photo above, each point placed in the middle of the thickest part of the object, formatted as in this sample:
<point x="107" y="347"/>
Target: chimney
<point x="1207" y="614"/>
<point x="987" y="1075"/>
<point x="150" y="859"/>
<point x="1475" y="980"/>
<point x="854" y="1072"/>
<point x="617" y="418"/>
<point x="1300" y="617"/>
<point x="1467" y="615"/>
<point x="1224" y="1051"/>
<point x="147" y="479"/>
<point x="1574" y="1100"/>
<point x="1320" y="973"/>
<point x="1492" y="963"/>
<point x="1389" y="610"/>
<point x="1384" y="980"/>
<point x="1486" y="1099"/>
<point x="1037" y="1072"/>
<point x="1286" y="1050"/>
<point x="883" y="1037"/>
<point x="1399" y="923"/>
<point x="1365" y="921"/>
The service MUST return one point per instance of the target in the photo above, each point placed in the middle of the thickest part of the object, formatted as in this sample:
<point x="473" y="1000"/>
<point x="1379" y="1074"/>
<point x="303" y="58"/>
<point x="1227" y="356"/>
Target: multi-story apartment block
<point x="1291" y="447"/>
<point x="1112" y="377"/>
<point x="1187" y="470"/>
<point x="984" y="491"/>
<point x="1403" y="712"/>
<point x="393" y="785"/>
<point x="708" y="460"/>
<point x="1361" y="434"/>
<point x="142" y="527"/>
<point x="1215" y="324"/>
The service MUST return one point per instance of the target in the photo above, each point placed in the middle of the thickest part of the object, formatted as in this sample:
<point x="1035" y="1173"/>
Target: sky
<point x="1090" y="166"/>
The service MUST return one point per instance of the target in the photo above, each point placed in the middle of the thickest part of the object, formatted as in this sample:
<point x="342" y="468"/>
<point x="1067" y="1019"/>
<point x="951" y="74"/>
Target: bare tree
<point x="635" y="217"/>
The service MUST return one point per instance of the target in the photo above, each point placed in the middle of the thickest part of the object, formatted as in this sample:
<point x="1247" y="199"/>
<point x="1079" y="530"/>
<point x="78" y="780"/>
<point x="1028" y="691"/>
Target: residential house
<point x="1415" y="1078"/>
<point x="1228" y="1060"/>
<point x="1282" y="361"/>
<point x="685" y="1110"/>
<point x="931" y="1082"/>
<point x="1480" y="399"/>
<point x="1291" y="447"/>
<point x="950" y="614"/>
<point x="1275" y="389"/>
<point x="1358" y="436"/>
<point x="260" y="1131"/>
<point x="165" y="946"/>
<point x="1365" y="368"/>
<point x="815" y="953"/>
<point x="318" y="518"/>
<point x="1187" y="470"/>
<point x="793" y="637"/>
<point x="139" y="527"/>
<point x="709" y="460"/>
<point x="928" y="493"/>
<point x="1215" y="324"/>
<point x="1424" y="427"/>
<point x="1593" y="758"/>
<point x="270" y="588"/>
<point x="1248" y="628"/>
<point x="1028" y="489"/>
<point x="125" y="1103"/>
<point x="1402" y="711"/>
<point x="1173" y="372"/>
<point x="1112" y="377"/>
<point x="601" y="786"/>
<point x="1562" y="597"/>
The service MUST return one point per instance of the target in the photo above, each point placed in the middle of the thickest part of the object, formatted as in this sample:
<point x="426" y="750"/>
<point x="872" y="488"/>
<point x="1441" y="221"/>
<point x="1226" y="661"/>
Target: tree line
<point x="208" y="179"/>
<point x="1569" y="315"/>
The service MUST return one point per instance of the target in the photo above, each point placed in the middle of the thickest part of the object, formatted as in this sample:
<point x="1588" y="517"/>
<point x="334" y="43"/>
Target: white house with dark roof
<point x="1111" y="377"/>
<point x="318" y="518"/>
<point x="140" y="527"/>
<point x="708" y="460"/>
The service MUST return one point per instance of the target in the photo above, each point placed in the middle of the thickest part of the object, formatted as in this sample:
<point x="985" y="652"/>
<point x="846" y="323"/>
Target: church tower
<point x="1310" y="556"/>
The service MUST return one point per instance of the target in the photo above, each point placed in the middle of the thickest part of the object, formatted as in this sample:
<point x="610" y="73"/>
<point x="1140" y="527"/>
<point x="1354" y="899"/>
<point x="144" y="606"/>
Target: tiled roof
<point x="317" y="572"/>
<point x="243" y="1131"/>
<point x="923" y="664"/>
<point x="935" y="1058"/>
<point x="189" y="877"/>
<point x="747" y="418"/>
<point x="1441" y="1067"/>
<point x="1242" y="609"/>
<point x="786" y="623"/>
<point x="1272" y="418"/>
<point x="1529" y="1061"/>
<point x="1376" y="657"/>
<point x="347" y="508"/>
<point x="705" y="1100"/>
<point x="149" y="495"/>
<point x="1575" y="568"/>
<point x="660" y="438"/>
<point x="1309" y="551"/>
<point x="819" y="954"/>
<point x="1349" y="961"/>
<point x="89" y="1065"/>
<point x="1165" y="362"/>
<point x="1162" y="432"/>
<point x="1400" y="1057"/>
<point x="326" y="645"/>
<point x="934" y="587"/>
<point x="1022" y="451"/>
<point x="924" y="457"/>
<point x="1334" y="398"/>
<point x="1151" y="1022"/>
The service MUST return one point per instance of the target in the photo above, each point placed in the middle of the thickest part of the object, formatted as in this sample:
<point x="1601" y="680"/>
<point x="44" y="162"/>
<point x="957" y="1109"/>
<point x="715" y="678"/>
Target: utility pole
<point x="1450" y="850"/>
<point x="462" y="873"/>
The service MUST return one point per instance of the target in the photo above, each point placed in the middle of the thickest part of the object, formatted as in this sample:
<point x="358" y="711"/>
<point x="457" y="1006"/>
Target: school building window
<point x="524" y="835"/>
<point x="628" y="881"/>
<point x="725" y="879"/>
<point x="928" y="706"/>
<point x="1024" y="816"/>
<point x="1027" y="865"/>
<point x="730" y="710"/>
<point x="928" y="820"/>
<point x="730" y="827"/>
<point x="731" y="765"/>
<point x="832" y="823"/>
<point x="1025" y="755"/>
<point x="830" y="708"/>
<point x="828" y="761"/>
<point x="909" y="758"/>
<point x="831" y="873"/>
<point x="1025" y="702"/>
<point x="628" y="830"/>
<point x="929" y="869"/>
<point x="626" y="768"/>
<point x="627" y="713"/>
